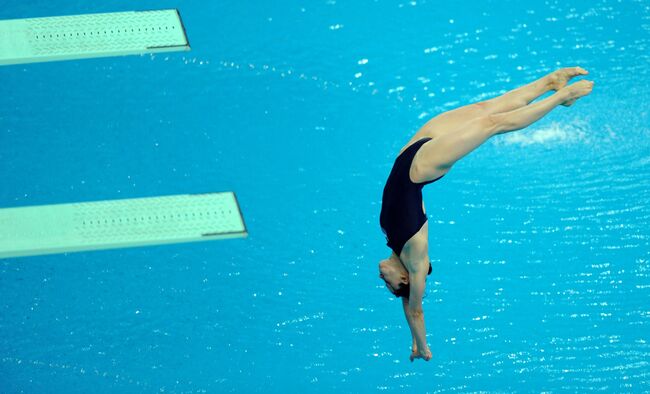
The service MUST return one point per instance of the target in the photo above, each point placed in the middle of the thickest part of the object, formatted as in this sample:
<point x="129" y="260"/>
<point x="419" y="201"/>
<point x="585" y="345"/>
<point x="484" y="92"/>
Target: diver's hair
<point x="403" y="291"/>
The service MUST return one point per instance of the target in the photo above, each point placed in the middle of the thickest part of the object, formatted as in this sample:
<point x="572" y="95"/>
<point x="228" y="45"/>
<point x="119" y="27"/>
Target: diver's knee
<point x="482" y="108"/>
<point x="495" y="123"/>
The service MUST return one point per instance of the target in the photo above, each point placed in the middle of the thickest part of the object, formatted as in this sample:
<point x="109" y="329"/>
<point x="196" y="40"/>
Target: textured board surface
<point x="46" y="229"/>
<point x="93" y="35"/>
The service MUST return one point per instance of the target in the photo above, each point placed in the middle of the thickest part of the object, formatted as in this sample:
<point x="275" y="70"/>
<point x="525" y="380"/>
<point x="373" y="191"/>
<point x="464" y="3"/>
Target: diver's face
<point x="393" y="274"/>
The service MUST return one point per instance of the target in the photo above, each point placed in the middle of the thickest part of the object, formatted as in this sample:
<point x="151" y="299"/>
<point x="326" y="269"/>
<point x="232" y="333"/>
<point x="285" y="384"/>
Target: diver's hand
<point x="425" y="355"/>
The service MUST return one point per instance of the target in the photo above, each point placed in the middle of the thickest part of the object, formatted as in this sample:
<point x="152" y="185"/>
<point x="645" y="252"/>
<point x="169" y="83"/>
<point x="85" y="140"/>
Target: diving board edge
<point x="92" y="248"/>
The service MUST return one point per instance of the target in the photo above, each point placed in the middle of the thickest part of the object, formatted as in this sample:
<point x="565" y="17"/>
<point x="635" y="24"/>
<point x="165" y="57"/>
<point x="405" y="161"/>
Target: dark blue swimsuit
<point x="401" y="206"/>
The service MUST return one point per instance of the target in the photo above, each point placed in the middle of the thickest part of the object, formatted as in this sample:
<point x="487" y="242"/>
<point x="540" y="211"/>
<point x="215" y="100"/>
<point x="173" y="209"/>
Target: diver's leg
<point x="517" y="98"/>
<point x="522" y="96"/>
<point x="436" y="157"/>
<point x="525" y="116"/>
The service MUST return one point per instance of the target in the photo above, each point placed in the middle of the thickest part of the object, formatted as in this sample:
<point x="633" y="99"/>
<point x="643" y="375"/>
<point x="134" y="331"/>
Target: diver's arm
<point x="405" y="305"/>
<point x="415" y="314"/>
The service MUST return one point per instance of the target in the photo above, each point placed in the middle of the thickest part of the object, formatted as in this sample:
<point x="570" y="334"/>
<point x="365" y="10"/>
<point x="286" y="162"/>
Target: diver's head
<point x="395" y="275"/>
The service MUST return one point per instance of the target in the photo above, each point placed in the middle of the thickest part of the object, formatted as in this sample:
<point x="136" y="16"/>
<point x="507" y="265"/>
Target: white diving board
<point x="93" y="35"/>
<point x="47" y="229"/>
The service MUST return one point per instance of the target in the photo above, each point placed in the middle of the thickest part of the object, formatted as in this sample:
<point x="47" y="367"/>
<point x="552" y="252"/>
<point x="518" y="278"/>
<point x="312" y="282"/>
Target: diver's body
<point x="428" y="156"/>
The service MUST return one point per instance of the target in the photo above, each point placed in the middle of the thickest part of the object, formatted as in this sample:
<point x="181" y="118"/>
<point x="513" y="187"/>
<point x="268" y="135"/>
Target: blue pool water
<point x="539" y="240"/>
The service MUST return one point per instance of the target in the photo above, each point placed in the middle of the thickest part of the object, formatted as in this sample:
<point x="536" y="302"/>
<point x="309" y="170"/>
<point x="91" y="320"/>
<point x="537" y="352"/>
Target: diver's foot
<point x="559" y="78"/>
<point x="576" y="90"/>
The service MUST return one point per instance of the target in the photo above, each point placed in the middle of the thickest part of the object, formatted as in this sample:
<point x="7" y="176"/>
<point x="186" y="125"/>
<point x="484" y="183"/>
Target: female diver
<point x="428" y="156"/>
